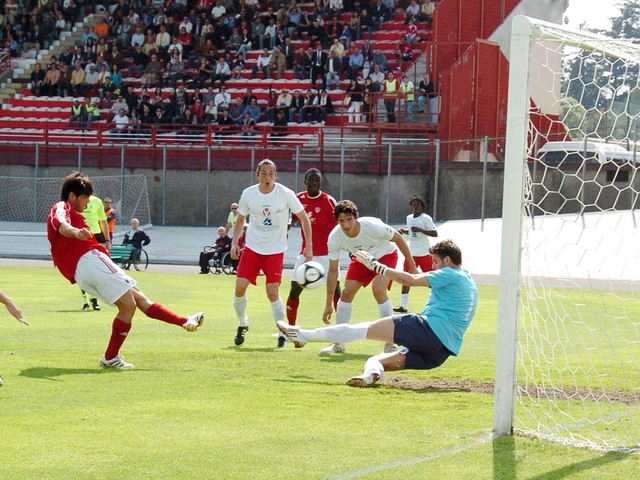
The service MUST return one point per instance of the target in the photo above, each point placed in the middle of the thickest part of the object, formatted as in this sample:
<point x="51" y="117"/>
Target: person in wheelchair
<point x="221" y="246"/>
<point x="136" y="237"/>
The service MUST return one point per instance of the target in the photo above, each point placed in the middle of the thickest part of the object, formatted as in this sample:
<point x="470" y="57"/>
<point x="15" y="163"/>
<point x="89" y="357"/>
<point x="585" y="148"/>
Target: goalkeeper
<point x="428" y="339"/>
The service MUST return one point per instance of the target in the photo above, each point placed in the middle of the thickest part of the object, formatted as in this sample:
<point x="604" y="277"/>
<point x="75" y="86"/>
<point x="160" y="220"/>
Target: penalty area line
<point x="411" y="461"/>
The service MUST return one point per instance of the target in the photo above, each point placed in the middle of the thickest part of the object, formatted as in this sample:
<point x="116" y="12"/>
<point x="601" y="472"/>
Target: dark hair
<point x="76" y="183"/>
<point x="447" y="248"/>
<point x="312" y="172"/>
<point x="347" y="207"/>
<point x="416" y="198"/>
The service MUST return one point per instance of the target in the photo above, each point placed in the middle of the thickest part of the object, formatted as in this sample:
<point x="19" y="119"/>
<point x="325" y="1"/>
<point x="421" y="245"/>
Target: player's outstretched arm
<point x="403" y="278"/>
<point x="12" y="308"/>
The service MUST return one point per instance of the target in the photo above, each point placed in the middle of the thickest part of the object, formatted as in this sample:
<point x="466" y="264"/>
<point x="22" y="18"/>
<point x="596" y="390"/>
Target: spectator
<point x="92" y="113"/>
<point x="354" y="96"/>
<point x="220" y="247"/>
<point x="77" y="114"/>
<point x="225" y="126"/>
<point x="136" y="236"/>
<point x="64" y="85"/>
<point x="297" y="106"/>
<point x="302" y="64"/>
<point x="366" y="23"/>
<point x="103" y="74"/>
<point x="186" y="40"/>
<point x="284" y="102"/>
<point x="116" y="75"/>
<point x="334" y="67"/>
<point x="403" y="52"/>
<point x="60" y="24"/>
<point x="248" y="129"/>
<point x="270" y="111"/>
<point x="379" y="13"/>
<point x="317" y="35"/>
<point x="236" y="111"/>
<point x="257" y="33"/>
<point x="101" y="28"/>
<point x="411" y="32"/>
<point x="222" y="72"/>
<point x="380" y="59"/>
<point x="280" y="127"/>
<point x="223" y="99"/>
<point x="65" y="56"/>
<point x="151" y="71"/>
<point x="356" y="63"/>
<point x="277" y="62"/>
<point x="261" y="64"/>
<point x="238" y="67"/>
<point x="369" y="98"/>
<point x="311" y="107"/>
<point x="219" y="10"/>
<point x="426" y="12"/>
<point x="78" y="79"/>
<point x="248" y="97"/>
<point x="210" y="112"/>
<point x="367" y="51"/>
<point x="245" y="44"/>
<point x="427" y="95"/>
<point x="390" y="96"/>
<point x="177" y="70"/>
<point x="92" y="79"/>
<point x="253" y="110"/>
<point x="107" y="91"/>
<point x="119" y="104"/>
<point x="318" y="65"/>
<point x="163" y="39"/>
<point x="407" y="93"/>
<point x="325" y="106"/>
<point x="37" y="79"/>
<point x="345" y="36"/>
<point x="121" y="122"/>
<point x="338" y="49"/>
<point x="270" y="33"/>
<point x="412" y="13"/>
<point x="88" y="34"/>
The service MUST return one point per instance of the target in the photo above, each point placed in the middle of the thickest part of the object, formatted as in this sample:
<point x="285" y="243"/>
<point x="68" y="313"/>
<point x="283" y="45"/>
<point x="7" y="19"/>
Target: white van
<point x="574" y="152"/>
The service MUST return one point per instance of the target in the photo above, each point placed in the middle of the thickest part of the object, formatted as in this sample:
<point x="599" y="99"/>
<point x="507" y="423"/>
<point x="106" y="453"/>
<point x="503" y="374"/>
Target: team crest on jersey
<point x="267" y="222"/>
<point x="317" y="209"/>
<point x="266" y="211"/>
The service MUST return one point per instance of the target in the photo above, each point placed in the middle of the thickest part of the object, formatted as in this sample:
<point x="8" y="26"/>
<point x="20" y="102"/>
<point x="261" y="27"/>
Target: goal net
<point x="568" y="362"/>
<point x="27" y="199"/>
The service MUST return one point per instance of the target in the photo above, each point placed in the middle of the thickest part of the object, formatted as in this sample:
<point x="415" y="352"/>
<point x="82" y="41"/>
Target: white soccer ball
<point x="309" y="275"/>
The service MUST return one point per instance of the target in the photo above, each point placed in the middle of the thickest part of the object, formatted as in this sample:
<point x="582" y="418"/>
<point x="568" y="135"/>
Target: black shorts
<point x="423" y="349"/>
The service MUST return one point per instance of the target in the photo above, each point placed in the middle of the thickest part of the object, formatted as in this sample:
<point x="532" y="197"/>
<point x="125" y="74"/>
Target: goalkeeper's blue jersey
<point x="451" y="306"/>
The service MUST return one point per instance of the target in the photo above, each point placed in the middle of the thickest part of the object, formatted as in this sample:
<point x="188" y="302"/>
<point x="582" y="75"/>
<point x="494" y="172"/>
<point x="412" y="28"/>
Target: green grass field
<point x="198" y="407"/>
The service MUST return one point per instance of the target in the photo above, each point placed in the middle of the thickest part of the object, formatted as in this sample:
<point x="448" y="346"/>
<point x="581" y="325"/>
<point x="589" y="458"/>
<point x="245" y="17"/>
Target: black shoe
<point x="239" y="340"/>
<point x="282" y="342"/>
<point x="85" y="307"/>
<point x="400" y="310"/>
<point x="95" y="304"/>
<point x="203" y="273"/>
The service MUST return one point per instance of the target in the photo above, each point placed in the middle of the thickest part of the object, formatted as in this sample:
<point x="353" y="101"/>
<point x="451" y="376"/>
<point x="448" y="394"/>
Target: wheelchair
<point x="126" y="255"/>
<point x="219" y="263"/>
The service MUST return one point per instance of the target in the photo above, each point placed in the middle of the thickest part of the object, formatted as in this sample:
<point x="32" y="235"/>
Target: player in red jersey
<point x="82" y="260"/>
<point x="319" y="206"/>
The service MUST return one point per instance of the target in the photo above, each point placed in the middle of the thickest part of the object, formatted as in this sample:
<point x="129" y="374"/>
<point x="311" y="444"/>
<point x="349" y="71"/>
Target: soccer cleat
<point x="293" y="333"/>
<point x="333" y="348"/>
<point x="282" y="342"/>
<point x="390" y="348"/>
<point x="193" y="322"/>
<point x="117" y="362"/>
<point x="95" y="304"/>
<point x="85" y="307"/>
<point x="363" y="380"/>
<point x="239" y="340"/>
<point x="1" y="381"/>
<point x="400" y="309"/>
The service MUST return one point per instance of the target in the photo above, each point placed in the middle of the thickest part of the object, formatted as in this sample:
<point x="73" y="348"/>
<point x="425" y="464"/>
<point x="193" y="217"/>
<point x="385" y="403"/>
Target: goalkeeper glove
<point x="371" y="263"/>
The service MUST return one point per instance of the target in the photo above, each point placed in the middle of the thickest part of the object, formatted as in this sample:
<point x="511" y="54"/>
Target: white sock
<point x="373" y="366"/>
<point x="342" y="333"/>
<point x="240" y="306"/>
<point x="385" y="309"/>
<point x="343" y="312"/>
<point x="277" y="310"/>
<point x="404" y="300"/>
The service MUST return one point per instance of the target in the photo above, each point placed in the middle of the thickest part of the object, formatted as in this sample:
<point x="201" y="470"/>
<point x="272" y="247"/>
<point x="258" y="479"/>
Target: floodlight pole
<point x="512" y="221"/>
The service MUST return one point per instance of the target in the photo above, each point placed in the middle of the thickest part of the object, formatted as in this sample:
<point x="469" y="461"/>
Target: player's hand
<point x="17" y="313"/>
<point x="370" y="262"/>
<point x="83" y="234"/>
<point x="416" y="229"/>
<point x="326" y="315"/>
<point x="235" y="252"/>
<point x="308" y="253"/>
<point x="403" y="231"/>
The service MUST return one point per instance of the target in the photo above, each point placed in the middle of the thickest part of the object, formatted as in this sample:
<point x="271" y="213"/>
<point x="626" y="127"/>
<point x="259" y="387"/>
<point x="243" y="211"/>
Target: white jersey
<point x="374" y="237"/>
<point x="419" y="242"/>
<point x="269" y="217"/>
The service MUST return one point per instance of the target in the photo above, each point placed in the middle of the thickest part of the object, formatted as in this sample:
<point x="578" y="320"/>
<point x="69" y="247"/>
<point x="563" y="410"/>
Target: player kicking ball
<point x="427" y="339"/>
<point x="82" y="260"/>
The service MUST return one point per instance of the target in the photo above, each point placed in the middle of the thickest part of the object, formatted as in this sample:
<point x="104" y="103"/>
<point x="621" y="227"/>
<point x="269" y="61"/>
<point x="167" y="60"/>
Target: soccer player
<point x="269" y="204"/>
<point x="95" y="216"/>
<point x="13" y="310"/>
<point x="81" y="259"/>
<point x="319" y="206"/>
<point x="352" y="234"/>
<point x="112" y="216"/>
<point x="420" y="227"/>
<point x="428" y="339"/>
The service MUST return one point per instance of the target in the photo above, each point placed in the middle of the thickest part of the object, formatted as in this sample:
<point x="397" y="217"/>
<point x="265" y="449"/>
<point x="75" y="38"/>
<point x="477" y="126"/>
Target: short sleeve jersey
<point x="94" y="213"/>
<point x="419" y="242"/>
<point x="451" y="305"/>
<point x="67" y="251"/>
<point x="269" y="217"/>
<point x="320" y="213"/>
<point x="374" y="237"/>
<point x="231" y="219"/>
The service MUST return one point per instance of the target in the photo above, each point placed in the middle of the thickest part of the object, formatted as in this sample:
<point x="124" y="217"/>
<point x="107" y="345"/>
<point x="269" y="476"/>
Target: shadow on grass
<point x="253" y="350"/>
<point x="49" y="373"/>
<point x="505" y="464"/>
<point x="344" y="358"/>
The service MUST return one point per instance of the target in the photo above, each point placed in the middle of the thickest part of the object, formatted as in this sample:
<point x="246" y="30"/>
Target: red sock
<point x="292" y="310"/>
<point x="119" y="332"/>
<point x="163" y="314"/>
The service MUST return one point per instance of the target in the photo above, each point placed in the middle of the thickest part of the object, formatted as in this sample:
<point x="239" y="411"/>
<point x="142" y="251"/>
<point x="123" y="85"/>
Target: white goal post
<point x="568" y="336"/>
